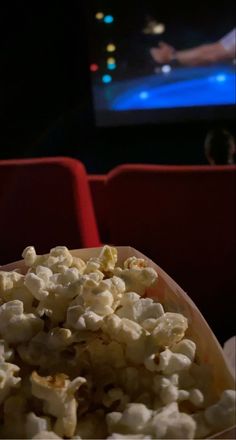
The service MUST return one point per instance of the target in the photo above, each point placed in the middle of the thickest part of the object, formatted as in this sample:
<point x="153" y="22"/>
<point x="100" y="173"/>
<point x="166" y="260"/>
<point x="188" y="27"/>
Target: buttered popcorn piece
<point x="135" y="263"/>
<point x="87" y="323"/>
<point x="59" y="401"/>
<point x="106" y="260"/>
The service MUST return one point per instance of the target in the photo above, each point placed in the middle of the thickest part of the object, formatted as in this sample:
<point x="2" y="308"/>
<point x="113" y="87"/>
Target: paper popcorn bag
<point x="174" y="299"/>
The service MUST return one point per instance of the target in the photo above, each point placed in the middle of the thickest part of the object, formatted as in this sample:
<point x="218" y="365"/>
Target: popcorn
<point x="79" y="320"/>
<point x="222" y="414"/>
<point x="58" y="394"/>
<point x="35" y="425"/>
<point x="137" y="279"/>
<point x="59" y="258"/>
<point x="8" y="379"/>
<point x="68" y="323"/>
<point x="29" y="256"/>
<point x="37" y="286"/>
<point x="107" y="258"/>
<point x="113" y="396"/>
<point x="132" y="436"/>
<point x="186" y="347"/>
<point x="105" y="262"/>
<point x="135" y="416"/>
<point x="139" y="310"/>
<point x="131" y="421"/>
<point x="170" y="329"/>
<point x="10" y="280"/>
<point x="109" y="354"/>
<point x="44" y="348"/>
<point x="6" y="353"/>
<point x="135" y="263"/>
<point x="168" y="423"/>
<point x="196" y="397"/>
<point x="20" y="293"/>
<point x="17" y="326"/>
<point x="170" y="363"/>
<point x="92" y="425"/>
<point x="79" y="264"/>
<point x="46" y="435"/>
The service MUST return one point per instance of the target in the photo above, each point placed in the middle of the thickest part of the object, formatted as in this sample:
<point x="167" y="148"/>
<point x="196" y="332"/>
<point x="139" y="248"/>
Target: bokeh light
<point x="221" y="78"/>
<point x="111" y="47"/>
<point x="143" y="95"/>
<point x="111" y="60"/>
<point x="94" y="67"/>
<point x="106" y="79"/>
<point x="111" y="66"/>
<point x="99" y="15"/>
<point x="108" y="19"/>
<point x="159" y="28"/>
<point x="166" y="68"/>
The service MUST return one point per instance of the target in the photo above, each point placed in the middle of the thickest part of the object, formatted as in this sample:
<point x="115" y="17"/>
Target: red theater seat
<point x="44" y="202"/>
<point x="97" y="183"/>
<point x="183" y="218"/>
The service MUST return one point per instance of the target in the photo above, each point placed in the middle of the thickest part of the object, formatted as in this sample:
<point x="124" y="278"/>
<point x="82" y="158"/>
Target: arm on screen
<point x="204" y="54"/>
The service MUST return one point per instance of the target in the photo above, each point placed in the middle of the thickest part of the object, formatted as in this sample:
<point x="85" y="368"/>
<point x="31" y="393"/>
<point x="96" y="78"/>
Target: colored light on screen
<point x="106" y="79"/>
<point x="99" y="15"/>
<point x="108" y="19"/>
<point x="166" y="68"/>
<point x="221" y="78"/>
<point x="111" y="47"/>
<point x="111" y="66"/>
<point x="94" y="67"/>
<point x="143" y="95"/>
<point x="111" y="60"/>
<point x="159" y="28"/>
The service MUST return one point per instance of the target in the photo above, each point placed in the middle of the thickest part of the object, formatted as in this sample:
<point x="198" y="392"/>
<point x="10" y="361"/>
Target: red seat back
<point x="44" y="202"/>
<point x="183" y="218"/>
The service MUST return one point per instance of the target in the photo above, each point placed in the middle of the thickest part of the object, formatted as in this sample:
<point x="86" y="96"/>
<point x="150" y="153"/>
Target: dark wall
<point x="45" y="102"/>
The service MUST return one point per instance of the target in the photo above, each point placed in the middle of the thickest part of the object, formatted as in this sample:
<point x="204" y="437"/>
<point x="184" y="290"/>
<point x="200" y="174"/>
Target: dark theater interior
<point x="117" y="130"/>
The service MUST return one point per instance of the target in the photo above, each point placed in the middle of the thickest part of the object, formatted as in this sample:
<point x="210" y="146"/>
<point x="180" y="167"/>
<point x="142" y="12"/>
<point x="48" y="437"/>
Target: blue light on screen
<point x="106" y="79"/>
<point x="221" y="78"/>
<point x="108" y="19"/>
<point x="183" y="87"/>
<point x="143" y="95"/>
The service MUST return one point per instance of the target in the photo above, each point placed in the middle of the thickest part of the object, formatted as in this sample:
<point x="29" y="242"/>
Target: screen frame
<point x="108" y="118"/>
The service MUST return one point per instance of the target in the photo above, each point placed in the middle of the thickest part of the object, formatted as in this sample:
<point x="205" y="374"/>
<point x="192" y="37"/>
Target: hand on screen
<point x="163" y="53"/>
